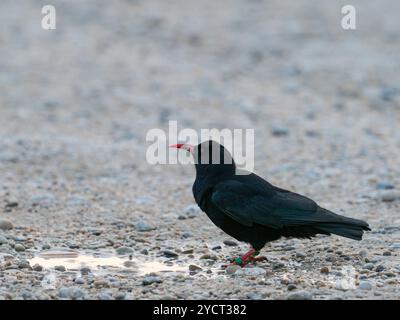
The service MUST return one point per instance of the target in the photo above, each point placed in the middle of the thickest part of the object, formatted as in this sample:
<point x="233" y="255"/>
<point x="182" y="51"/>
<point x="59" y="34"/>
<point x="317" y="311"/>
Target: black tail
<point x="343" y="226"/>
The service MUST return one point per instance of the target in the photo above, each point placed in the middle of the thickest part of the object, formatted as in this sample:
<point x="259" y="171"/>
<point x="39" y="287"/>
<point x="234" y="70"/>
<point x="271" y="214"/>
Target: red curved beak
<point x="187" y="147"/>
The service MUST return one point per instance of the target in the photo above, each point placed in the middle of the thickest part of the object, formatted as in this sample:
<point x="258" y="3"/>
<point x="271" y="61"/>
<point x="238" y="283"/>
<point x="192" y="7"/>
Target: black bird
<point x="252" y="210"/>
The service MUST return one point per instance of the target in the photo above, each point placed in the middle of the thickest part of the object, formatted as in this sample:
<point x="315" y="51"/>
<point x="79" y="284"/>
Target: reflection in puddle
<point x="73" y="261"/>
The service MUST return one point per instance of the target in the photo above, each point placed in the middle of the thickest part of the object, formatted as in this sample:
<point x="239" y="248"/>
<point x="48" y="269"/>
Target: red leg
<point x="250" y="256"/>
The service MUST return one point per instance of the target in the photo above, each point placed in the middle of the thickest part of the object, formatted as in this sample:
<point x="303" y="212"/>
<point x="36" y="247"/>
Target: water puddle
<point x="74" y="260"/>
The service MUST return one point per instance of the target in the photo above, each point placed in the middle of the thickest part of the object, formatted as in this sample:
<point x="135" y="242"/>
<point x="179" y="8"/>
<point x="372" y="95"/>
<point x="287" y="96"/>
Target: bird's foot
<point x="249" y="257"/>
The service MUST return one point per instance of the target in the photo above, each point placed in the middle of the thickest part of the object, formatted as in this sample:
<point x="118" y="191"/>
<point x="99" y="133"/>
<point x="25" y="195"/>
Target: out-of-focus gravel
<point x="75" y="106"/>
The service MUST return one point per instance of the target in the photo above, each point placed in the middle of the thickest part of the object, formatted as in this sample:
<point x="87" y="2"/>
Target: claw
<point x="246" y="258"/>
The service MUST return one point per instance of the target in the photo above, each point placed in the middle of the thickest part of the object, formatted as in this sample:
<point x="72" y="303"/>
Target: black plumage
<point x="250" y="209"/>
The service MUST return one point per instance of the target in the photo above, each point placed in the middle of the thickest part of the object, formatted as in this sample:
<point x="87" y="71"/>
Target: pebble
<point x="384" y="186"/>
<point x="85" y="270"/>
<point x="209" y="256"/>
<point x="72" y="293"/>
<point x="230" y="243"/>
<point x="256" y="271"/>
<point x="324" y="270"/>
<point x="104" y="296"/>
<point x="170" y="254"/>
<point x="5" y="224"/>
<point x="390" y="196"/>
<point x="150" y="280"/>
<point x="37" y="267"/>
<point x="192" y="211"/>
<point x="187" y="251"/>
<point x="300" y="254"/>
<point x="368" y="266"/>
<point x="186" y="235"/>
<point x="365" y="285"/>
<point x="299" y="295"/>
<point x="193" y="267"/>
<point x="387" y="253"/>
<point x="380" y="268"/>
<point x="280" y="132"/>
<point x="232" y="269"/>
<point x="124" y="250"/>
<point x="120" y="296"/>
<point x="363" y="253"/>
<point x="101" y="283"/>
<point x="79" y="280"/>
<point x="19" y="247"/>
<point x="3" y="240"/>
<point x="291" y="286"/>
<point x="24" y="264"/>
<point x="395" y="245"/>
<point x="145" y="252"/>
<point x="60" y="268"/>
<point x="143" y="226"/>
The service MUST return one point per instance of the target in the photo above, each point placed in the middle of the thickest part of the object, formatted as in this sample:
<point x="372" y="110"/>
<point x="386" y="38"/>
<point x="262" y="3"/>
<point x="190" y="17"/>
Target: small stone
<point x="186" y="235"/>
<point x="395" y="245"/>
<point x="380" y="268"/>
<point x="101" y="283"/>
<point x="187" y="251"/>
<point x="170" y="254"/>
<point x="3" y="240"/>
<point x="232" y="269"/>
<point x="24" y="264"/>
<point x="104" y="296"/>
<point x="63" y="292"/>
<point x="73" y="245"/>
<point x="5" y="224"/>
<point x="365" y="285"/>
<point x="390" y="196"/>
<point x="120" y="296"/>
<point x="300" y="254"/>
<point x="19" y="247"/>
<point x="148" y="280"/>
<point x="256" y="271"/>
<point x="280" y="132"/>
<point x="79" y="280"/>
<point x="143" y="226"/>
<point x="363" y="253"/>
<point x="291" y="286"/>
<point x="46" y="247"/>
<point x="37" y="267"/>
<point x="384" y="186"/>
<point x="325" y="270"/>
<point x="76" y="293"/>
<point x="124" y="250"/>
<point x="368" y="266"/>
<point x="194" y="268"/>
<point x="144" y="251"/>
<point x="85" y="270"/>
<point x="129" y="264"/>
<point x="209" y="256"/>
<point x="60" y="268"/>
<point x="387" y="253"/>
<point x="192" y="211"/>
<point x="26" y="295"/>
<point x="278" y="265"/>
<point x="299" y="295"/>
<point x="230" y="243"/>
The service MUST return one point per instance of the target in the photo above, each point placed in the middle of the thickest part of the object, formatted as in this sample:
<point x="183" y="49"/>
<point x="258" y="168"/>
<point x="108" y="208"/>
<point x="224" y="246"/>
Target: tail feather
<point x="345" y="227"/>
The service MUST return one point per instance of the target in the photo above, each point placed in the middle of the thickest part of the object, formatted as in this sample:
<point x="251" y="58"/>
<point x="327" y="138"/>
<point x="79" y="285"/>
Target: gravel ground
<point x="84" y="216"/>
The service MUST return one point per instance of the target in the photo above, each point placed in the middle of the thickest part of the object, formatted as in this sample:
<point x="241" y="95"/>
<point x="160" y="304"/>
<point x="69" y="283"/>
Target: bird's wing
<point x="275" y="210"/>
<point x="244" y="206"/>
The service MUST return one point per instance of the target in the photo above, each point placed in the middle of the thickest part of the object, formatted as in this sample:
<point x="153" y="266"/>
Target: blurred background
<point x="76" y="104"/>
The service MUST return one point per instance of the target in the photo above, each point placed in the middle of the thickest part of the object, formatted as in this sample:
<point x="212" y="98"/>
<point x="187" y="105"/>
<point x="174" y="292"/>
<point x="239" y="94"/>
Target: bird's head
<point x="210" y="157"/>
